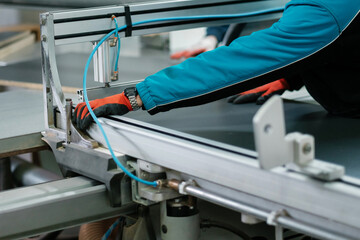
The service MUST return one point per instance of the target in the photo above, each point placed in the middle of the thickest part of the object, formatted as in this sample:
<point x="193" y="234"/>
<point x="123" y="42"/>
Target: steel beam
<point x="54" y="205"/>
<point x="92" y="24"/>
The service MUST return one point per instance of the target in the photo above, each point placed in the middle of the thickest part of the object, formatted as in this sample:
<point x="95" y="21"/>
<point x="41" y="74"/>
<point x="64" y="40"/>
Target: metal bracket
<point x="74" y="159"/>
<point x="296" y="151"/>
<point x="148" y="195"/>
<point x="272" y="220"/>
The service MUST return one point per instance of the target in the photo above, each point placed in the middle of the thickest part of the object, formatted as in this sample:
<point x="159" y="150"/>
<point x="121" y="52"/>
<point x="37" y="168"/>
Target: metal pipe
<point x="199" y="193"/>
<point x="284" y="221"/>
<point x="27" y="174"/>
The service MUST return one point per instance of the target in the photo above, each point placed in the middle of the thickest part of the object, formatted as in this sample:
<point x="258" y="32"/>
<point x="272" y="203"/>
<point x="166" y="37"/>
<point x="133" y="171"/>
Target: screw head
<point x="307" y="148"/>
<point x="43" y="21"/>
<point x="144" y="175"/>
<point x="43" y="38"/>
<point x="164" y="229"/>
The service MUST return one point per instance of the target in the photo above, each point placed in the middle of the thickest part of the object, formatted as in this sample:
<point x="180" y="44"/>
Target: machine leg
<point x="142" y="229"/>
<point x="179" y="219"/>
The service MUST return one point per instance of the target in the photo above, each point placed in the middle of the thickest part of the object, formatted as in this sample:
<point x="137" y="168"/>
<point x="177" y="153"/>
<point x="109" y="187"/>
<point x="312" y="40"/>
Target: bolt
<point x="268" y="129"/>
<point x="164" y="229"/>
<point x="43" y="38"/>
<point x="113" y="42"/>
<point x="115" y="76"/>
<point x="43" y="21"/>
<point x="307" y="148"/>
<point x="144" y="175"/>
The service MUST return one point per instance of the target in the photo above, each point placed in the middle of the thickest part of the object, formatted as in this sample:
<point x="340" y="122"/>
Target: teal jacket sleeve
<point x="305" y="28"/>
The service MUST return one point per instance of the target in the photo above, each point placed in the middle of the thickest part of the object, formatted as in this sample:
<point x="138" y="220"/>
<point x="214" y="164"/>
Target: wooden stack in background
<point x="15" y="38"/>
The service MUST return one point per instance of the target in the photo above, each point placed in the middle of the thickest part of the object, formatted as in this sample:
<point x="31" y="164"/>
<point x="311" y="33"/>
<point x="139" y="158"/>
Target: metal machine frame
<point x="219" y="173"/>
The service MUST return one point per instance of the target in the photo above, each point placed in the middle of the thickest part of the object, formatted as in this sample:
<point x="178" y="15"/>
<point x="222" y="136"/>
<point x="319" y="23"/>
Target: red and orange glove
<point x="262" y="93"/>
<point x="206" y="44"/>
<point x="117" y="104"/>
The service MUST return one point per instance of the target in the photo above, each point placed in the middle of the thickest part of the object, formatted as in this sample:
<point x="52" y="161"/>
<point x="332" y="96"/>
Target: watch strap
<point x="131" y="94"/>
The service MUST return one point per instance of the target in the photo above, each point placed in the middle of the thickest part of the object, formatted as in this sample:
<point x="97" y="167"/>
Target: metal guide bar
<point x="163" y="27"/>
<point x="141" y="7"/>
<point x="286" y="221"/>
<point x="338" y="200"/>
<point x="261" y="208"/>
<point x="54" y="205"/>
<point x="60" y="18"/>
<point x="97" y="21"/>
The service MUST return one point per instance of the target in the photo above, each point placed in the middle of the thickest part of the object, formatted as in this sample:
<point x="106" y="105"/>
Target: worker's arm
<point x="305" y="28"/>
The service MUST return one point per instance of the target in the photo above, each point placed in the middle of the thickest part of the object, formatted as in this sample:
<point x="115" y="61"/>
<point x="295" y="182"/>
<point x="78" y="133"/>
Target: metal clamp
<point x="183" y="185"/>
<point x="274" y="215"/>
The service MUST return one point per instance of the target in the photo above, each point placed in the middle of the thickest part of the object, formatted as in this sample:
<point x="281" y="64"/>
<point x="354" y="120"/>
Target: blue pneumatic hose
<point x="118" y="48"/>
<point x="154" y="183"/>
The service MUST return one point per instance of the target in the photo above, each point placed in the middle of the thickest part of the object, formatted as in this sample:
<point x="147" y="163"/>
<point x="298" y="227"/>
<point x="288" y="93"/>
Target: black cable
<point x="210" y="223"/>
<point x="121" y="226"/>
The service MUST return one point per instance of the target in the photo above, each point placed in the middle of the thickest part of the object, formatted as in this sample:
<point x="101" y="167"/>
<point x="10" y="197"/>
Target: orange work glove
<point x="262" y="93"/>
<point x="117" y="104"/>
<point x="206" y="44"/>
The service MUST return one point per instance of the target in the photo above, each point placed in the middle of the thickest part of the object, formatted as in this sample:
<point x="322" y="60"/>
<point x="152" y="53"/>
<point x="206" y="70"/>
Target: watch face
<point x="130" y="91"/>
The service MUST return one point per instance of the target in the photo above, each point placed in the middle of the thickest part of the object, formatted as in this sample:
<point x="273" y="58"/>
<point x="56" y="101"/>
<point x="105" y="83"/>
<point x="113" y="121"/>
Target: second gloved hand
<point x="262" y="93"/>
<point x="207" y="44"/>
<point x="117" y="104"/>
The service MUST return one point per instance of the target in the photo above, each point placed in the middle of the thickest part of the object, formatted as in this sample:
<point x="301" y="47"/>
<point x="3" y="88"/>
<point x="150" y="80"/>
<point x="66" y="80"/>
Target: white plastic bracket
<point x="296" y="151"/>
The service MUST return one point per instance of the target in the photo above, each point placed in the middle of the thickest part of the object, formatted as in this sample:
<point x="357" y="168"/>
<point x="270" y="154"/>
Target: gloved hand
<point x="117" y="104"/>
<point x="261" y="94"/>
<point x="206" y="44"/>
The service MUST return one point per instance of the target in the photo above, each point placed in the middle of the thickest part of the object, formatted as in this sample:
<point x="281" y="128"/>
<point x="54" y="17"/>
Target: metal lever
<point x="295" y="151"/>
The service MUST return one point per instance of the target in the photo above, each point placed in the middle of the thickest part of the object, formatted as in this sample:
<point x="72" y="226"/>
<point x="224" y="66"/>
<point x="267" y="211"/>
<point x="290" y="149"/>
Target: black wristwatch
<point x="131" y="94"/>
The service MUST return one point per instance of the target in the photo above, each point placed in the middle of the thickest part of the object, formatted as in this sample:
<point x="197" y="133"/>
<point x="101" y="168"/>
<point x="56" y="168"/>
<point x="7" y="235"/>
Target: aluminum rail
<point x="284" y="221"/>
<point x="67" y="3"/>
<point x="92" y="24"/>
<point x="33" y="210"/>
<point x="234" y="173"/>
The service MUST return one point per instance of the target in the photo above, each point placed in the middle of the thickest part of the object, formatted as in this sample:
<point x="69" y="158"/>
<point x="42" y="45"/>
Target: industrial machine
<point x="281" y="182"/>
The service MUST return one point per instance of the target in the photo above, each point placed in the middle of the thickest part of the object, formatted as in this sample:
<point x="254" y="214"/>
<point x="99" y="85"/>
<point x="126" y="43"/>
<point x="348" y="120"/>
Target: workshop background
<point x="21" y="98"/>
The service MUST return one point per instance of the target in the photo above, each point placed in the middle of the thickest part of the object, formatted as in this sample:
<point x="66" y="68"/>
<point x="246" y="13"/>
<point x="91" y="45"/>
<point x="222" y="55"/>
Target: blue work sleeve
<point x="305" y="28"/>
